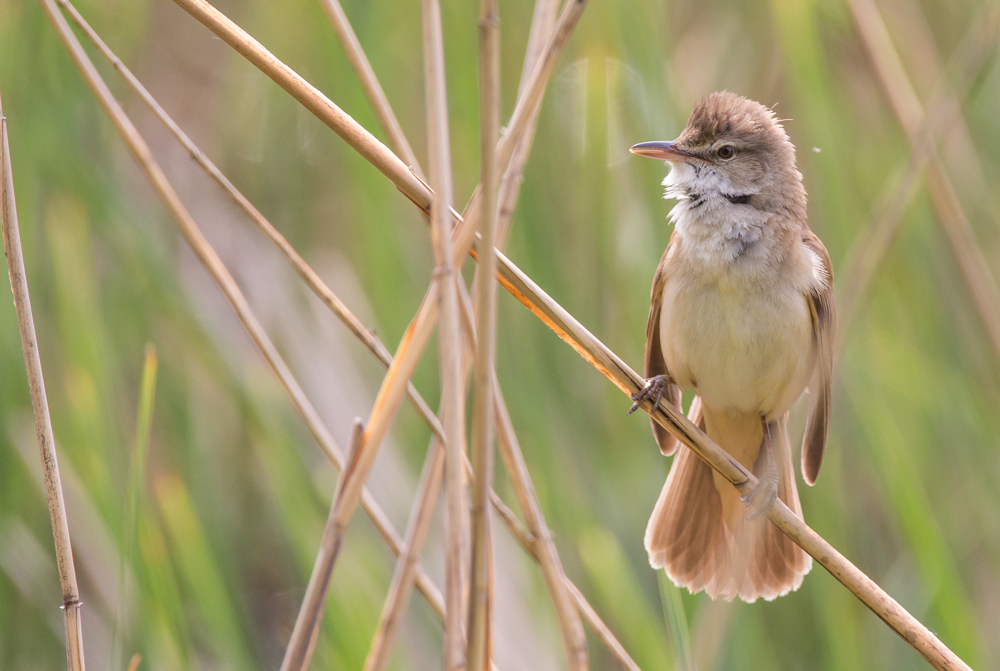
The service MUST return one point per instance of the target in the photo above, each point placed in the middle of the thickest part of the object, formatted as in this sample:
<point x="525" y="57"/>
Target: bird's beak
<point x="663" y="151"/>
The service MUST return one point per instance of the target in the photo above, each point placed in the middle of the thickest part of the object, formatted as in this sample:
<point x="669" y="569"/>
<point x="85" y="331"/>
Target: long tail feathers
<point x="688" y="538"/>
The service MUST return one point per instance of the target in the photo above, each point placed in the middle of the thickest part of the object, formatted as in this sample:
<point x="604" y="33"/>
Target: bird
<point x="742" y="313"/>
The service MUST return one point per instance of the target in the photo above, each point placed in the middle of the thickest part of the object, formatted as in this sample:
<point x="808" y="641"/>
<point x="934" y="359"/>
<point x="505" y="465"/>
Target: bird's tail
<point x="704" y="542"/>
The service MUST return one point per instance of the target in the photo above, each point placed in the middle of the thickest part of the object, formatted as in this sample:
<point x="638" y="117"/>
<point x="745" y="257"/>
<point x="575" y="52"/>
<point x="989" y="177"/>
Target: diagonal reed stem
<point x="542" y="23"/>
<point x="481" y="585"/>
<point x="313" y="100"/>
<point x="421" y="515"/>
<point x="366" y="75"/>
<point x="71" y="603"/>
<point x="603" y="633"/>
<point x="449" y="332"/>
<point x="303" y="639"/>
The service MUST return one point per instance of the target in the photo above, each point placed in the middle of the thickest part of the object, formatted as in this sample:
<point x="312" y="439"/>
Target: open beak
<point x="663" y="151"/>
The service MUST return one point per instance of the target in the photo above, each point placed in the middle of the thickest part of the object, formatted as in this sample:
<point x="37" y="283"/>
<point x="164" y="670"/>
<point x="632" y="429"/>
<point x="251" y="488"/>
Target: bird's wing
<point x="653" y="363"/>
<point x="824" y="325"/>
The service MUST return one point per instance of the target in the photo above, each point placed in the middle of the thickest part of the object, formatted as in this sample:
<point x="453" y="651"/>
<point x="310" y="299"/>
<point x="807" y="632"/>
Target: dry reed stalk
<point x="542" y="23"/>
<point x="517" y="530"/>
<point x="570" y="626"/>
<point x="534" y="546"/>
<point x="303" y="638"/>
<point x="305" y="271"/>
<point x="213" y="265"/>
<point x="467" y="313"/>
<point x="538" y="544"/>
<point x="481" y="586"/>
<point x="366" y="75"/>
<point x="420" y="518"/>
<point x="975" y="269"/>
<point x="71" y="604"/>
<point x="449" y="331"/>
<point x="421" y="515"/>
<point x="544" y="550"/>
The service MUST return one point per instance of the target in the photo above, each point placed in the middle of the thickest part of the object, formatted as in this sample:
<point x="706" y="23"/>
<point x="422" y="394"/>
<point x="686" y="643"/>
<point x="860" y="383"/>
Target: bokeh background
<point x="202" y="561"/>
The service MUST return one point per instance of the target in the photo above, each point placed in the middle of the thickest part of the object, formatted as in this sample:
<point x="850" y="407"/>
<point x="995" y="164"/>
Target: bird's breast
<point x="743" y="348"/>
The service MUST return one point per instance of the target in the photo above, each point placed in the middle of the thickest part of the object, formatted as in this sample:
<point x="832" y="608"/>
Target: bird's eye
<point x="726" y="151"/>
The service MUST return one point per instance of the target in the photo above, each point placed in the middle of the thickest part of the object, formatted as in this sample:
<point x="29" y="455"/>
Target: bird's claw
<point x="653" y="389"/>
<point x="762" y="497"/>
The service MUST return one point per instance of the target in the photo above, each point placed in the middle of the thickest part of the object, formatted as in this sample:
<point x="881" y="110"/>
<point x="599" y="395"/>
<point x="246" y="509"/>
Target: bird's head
<point x="732" y="148"/>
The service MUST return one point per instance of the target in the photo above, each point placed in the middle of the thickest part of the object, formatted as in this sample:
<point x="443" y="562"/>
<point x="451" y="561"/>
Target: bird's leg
<point x="766" y="492"/>
<point x="653" y="389"/>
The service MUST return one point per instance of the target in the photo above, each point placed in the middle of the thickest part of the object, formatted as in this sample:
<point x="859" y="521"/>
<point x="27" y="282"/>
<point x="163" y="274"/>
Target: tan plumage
<point x="824" y="315"/>
<point x="653" y="361"/>
<point x="742" y="312"/>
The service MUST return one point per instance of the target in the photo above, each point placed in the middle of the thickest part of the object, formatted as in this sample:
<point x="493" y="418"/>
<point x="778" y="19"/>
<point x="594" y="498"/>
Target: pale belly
<point x="741" y="351"/>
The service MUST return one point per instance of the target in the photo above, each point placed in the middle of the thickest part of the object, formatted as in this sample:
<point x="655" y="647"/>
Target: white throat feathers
<point x="715" y="220"/>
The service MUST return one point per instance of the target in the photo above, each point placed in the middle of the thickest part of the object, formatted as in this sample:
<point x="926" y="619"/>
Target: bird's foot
<point x="652" y="390"/>
<point x="763" y="496"/>
<point x="765" y="493"/>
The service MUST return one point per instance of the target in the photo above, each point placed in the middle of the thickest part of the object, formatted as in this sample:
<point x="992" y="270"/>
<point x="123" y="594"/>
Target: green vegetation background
<point x="201" y="561"/>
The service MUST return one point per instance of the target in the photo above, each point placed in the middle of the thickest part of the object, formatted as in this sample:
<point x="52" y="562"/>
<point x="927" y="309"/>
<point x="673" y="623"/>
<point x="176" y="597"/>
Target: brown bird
<point x="742" y="313"/>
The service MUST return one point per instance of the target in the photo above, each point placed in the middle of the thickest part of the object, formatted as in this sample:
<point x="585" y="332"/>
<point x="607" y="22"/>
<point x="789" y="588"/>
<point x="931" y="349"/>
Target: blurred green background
<point x="196" y="555"/>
